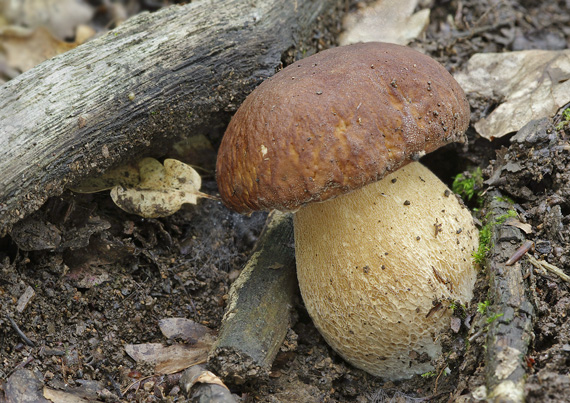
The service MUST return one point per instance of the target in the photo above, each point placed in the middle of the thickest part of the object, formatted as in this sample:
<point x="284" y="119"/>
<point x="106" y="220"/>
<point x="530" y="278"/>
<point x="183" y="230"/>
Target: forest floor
<point x="89" y="301"/>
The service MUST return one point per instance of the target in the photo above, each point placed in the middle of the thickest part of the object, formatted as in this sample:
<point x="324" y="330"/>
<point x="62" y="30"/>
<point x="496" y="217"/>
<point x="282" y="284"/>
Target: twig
<point x="477" y="334"/>
<point x="525" y="247"/>
<point x="135" y="383"/>
<point x="115" y="385"/>
<point x="541" y="264"/>
<point x="20" y="333"/>
<point x="440" y="372"/>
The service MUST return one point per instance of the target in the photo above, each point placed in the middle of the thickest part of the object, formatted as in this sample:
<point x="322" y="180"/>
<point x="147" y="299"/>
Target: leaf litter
<point x="530" y="84"/>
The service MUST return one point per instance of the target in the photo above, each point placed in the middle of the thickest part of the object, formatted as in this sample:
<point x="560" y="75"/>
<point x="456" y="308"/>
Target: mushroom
<point x="382" y="245"/>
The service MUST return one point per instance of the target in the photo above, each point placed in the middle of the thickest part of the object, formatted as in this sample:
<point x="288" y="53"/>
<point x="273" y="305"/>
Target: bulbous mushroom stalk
<point x="379" y="266"/>
<point x="376" y="257"/>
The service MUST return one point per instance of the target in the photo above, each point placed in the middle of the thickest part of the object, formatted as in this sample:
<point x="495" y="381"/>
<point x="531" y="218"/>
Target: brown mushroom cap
<point x="335" y="122"/>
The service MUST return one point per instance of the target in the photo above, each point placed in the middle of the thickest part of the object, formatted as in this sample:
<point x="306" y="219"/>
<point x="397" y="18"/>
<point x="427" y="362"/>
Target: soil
<point x="101" y="279"/>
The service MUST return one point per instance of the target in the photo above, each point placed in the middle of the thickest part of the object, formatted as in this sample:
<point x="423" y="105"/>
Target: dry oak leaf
<point x="532" y="84"/>
<point x="391" y="21"/>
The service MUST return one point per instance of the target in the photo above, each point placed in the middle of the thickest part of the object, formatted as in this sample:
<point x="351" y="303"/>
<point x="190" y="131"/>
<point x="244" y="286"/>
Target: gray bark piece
<point x="25" y="386"/>
<point x="134" y="91"/>
<point x="258" y="314"/>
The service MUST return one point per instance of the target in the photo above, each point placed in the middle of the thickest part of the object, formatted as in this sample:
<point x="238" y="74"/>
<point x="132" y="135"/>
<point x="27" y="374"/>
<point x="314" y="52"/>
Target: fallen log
<point x="136" y="90"/>
<point x="509" y="335"/>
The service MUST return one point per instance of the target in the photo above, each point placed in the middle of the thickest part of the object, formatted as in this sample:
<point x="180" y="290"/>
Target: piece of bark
<point x="155" y="79"/>
<point x="25" y="386"/>
<point x="202" y="386"/>
<point x="259" y="307"/>
<point x="509" y="336"/>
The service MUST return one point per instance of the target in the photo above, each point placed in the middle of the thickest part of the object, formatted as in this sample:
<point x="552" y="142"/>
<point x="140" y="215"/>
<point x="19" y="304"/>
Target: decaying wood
<point x="259" y="307"/>
<point x="155" y="79"/>
<point x="509" y="335"/>
<point x="203" y="386"/>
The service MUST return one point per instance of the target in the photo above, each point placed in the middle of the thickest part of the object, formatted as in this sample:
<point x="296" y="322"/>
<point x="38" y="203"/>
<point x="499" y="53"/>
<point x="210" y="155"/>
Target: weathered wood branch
<point x="154" y="80"/>
<point x="259" y="306"/>
<point x="509" y="335"/>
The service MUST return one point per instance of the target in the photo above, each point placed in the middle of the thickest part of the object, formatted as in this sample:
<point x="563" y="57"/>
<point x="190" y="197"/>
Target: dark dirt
<point x="101" y="278"/>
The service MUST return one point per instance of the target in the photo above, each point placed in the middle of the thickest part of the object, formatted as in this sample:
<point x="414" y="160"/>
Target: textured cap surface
<point x="334" y="122"/>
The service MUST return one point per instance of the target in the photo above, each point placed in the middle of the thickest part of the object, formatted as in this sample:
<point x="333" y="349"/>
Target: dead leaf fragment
<point x="455" y="324"/>
<point x="62" y="397"/>
<point x="162" y="191"/>
<point x="532" y="84"/>
<point x="186" y="330"/>
<point x="167" y="360"/>
<point x="513" y="222"/>
<point x="391" y="21"/>
<point x="201" y="385"/>
<point x="87" y="276"/>
<point x="24" y="299"/>
<point x="206" y="377"/>
<point x="60" y="17"/>
<point x="174" y="358"/>
<point x="25" y="48"/>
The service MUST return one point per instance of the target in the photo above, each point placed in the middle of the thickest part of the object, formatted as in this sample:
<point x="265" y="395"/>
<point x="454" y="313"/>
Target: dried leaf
<point x="455" y="324"/>
<point x="513" y="222"/>
<point x="167" y="360"/>
<point x="87" y="276"/>
<point x="391" y="21"/>
<point x="171" y="359"/>
<point x="532" y="83"/>
<point x="25" y="48"/>
<point x="187" y="330"/>
<point x="60" y="17"/>
<point x="59" y="396"/>
<point x="162" y="189"/>
<point x="206" y="377"/>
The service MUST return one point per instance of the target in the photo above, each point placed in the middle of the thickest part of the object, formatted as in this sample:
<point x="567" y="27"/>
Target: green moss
<point x="459" y="309"/>
<point x="486" y="234"/>
<point x="505" y="199"/>
<point x="493" y="318"/>
<point x="468" y="185"/>
<point x="502" y="218"/>
<point x="482" y="307"/>
<point x="483" y="310"/>
<point x="566" y="117"/>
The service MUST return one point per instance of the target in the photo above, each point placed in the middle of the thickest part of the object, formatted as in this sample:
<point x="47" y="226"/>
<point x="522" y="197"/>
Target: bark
<point x="155" y="79"/>
<point x="201" y="387"/>
<point x="509" y="336"/>
<point x="259" y="306"/>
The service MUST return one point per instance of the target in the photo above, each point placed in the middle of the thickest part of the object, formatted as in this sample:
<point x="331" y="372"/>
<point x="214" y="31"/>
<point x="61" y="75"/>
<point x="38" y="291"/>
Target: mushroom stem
<point x="378" y="268"/>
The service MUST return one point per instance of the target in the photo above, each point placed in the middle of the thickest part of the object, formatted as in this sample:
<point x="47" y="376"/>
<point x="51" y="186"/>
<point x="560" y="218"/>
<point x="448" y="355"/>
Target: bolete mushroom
<point x="382" y="246"/>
